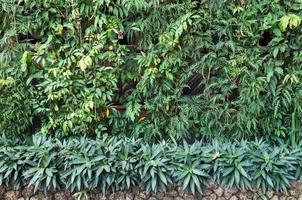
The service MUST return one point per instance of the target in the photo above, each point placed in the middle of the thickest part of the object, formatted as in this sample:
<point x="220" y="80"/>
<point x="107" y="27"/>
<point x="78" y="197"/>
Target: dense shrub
<point x="64" y="65"/>
<point x="120" y="163"/>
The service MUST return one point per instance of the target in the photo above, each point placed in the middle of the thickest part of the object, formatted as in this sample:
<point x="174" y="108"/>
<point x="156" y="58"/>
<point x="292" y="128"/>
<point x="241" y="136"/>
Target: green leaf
<point x="186" y="181"/>
<point x="162" y="177"/>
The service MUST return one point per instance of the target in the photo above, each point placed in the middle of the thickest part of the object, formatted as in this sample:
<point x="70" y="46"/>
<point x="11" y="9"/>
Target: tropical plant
<point x="273" y="168"/>
<point x="126" y="163"/>
<point x="234" y="166"/>
<point x="191" y="167"/>
<point x="179" y="70"/>
<point x="118" y="163"/>
<point x="10" y="167"/>
<point x="154" y="168"/>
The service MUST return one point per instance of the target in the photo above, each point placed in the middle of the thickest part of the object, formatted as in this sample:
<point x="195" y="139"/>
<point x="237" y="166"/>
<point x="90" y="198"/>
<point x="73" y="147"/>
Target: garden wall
<point x="213" y="192"/>
<point x="175" y="69"/>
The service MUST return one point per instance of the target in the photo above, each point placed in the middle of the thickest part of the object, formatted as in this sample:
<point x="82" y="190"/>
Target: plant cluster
<point x="120" y="163"/>
<point x="65" y="65"/>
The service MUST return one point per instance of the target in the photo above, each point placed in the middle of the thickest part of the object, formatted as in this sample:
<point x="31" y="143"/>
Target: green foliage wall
<point x="65" y="64"/>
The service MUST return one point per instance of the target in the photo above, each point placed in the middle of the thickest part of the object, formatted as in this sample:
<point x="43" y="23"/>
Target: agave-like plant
<point x="154" y="168"/>
<point x="273" y="168"/>
<point x="191" y="167"/>
<point x="119" y="163"/>
<point x="234" y="166"/>
<point x="42" y="164"/>
<point x="127" y="172"/>
<point x="11" y="166"/>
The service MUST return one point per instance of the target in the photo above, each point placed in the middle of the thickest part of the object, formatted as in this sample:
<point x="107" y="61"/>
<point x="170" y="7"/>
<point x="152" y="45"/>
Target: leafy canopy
<point x="65" y="65"/>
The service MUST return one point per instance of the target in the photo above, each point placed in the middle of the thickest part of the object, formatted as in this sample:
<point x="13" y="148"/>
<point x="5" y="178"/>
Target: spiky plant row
<point x="120" y="163"/>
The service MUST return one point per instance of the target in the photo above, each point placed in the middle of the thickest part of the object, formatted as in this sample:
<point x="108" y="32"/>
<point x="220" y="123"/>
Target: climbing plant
<point x="81" y="67"/>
